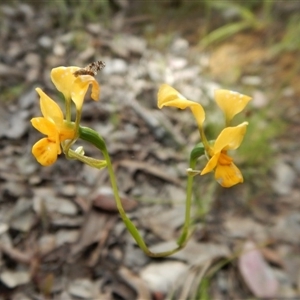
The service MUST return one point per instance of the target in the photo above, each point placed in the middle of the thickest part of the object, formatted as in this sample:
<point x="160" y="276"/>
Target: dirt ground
<point x="60" y="233"/>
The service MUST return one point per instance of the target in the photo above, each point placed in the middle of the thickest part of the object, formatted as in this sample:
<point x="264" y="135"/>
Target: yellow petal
<point x="230" y="138"/>
<point x="168" y="96"/>
<point x="80" y="87"/>
<point x="46" y="151"/>
<point x="66" y="132"/>
<point x="228" y="175"/>
<point x="49" y="108"/>
<point x="211" y="164"/>
<point x="44" y="126"/>
<point x="63" y="79"/>
<point x="231" y="102"/>
<point x="74" y="87"/>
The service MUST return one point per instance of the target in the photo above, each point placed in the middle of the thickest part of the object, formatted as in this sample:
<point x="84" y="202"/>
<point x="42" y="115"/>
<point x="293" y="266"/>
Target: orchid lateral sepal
<point x="90" y="161"/>
<point x="192" y="172"/>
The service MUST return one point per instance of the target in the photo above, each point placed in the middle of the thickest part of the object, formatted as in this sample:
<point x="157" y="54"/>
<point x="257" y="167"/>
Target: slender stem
<point x="92" y="137"/>
<point x="128" y="223"/>
<point x="185" y="230"/>
<point x="203" y="140"/>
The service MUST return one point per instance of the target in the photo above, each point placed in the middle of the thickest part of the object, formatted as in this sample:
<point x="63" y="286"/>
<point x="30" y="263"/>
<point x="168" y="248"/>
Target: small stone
<point x="296" y="164"/>
<point x="32" y="59"/>
<point x="3" y="228"/>
<point x="285" y="177"/>
<point x="68" y="190"/>
<point x="20" y="296"/>
<point x="82" y="288"/>
<point x="22" y="218"/>
<point x="252" y="80"/>
<point x="177" y="63"/>
<point x="27" y="10"/>
<point x="13" y="279"/>
<point x="27" y="99"/>
<point x="66" y="236"/>
<point x="94" y="28"/>
<point x="259" y="99"/>
<point x="45" y="42"/>
<point x="59" y="50"/>
<point x="116" y="66"/>
<point x="162" y="276"/>
<point x="179" y="46"/>
<point x="55" y="204"/>
<point x="288" y="228"/>
<point x="47" y="243"/>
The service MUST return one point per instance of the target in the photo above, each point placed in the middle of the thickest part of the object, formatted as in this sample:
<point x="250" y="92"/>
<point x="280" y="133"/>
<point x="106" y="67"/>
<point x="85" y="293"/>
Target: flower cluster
<point x="58" y="129"/>
<point x="74" y="83"/>
<point x="231" y="103"/>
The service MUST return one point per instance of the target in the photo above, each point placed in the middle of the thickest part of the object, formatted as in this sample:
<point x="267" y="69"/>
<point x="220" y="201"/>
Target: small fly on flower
<point x="91" y="69"/>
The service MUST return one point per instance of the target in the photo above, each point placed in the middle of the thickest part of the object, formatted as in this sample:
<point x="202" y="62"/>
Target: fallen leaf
<point x="136" y="282"/>
<point x="82" y="288"/>
<point x="90" y="231"/>
<point x="257" y="274"/>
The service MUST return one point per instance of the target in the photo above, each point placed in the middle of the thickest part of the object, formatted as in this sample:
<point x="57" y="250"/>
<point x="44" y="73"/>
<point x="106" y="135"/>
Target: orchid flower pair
<point x="57" y="129"/>
<point x="231" y="103"/>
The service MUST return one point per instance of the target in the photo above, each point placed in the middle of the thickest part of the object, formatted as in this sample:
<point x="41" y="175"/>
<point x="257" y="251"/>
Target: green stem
<point x="128" y="223"/>
<point x="92" y="137"/>
<point x="189" y="189"/>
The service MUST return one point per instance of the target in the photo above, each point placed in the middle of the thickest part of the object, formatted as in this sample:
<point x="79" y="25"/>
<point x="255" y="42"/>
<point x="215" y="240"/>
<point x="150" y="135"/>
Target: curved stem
<point x="204" y="139"/>
<point x="92" y="136"/>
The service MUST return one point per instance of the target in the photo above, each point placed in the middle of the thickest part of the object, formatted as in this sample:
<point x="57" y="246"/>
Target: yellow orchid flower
<point x="226" y="172"/>
<point x="52" y="125"/>
<point x="231" y="103"/>
<point x="168" y="96"/>
<point x="74" y="87"/>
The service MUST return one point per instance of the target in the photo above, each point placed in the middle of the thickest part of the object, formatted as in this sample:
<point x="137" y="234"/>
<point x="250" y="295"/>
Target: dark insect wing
<point x="90" y="69"/>
<point x="96" y="66"/>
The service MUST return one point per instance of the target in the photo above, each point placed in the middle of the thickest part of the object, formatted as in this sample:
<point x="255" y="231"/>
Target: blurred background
<point x="60" y="233"/>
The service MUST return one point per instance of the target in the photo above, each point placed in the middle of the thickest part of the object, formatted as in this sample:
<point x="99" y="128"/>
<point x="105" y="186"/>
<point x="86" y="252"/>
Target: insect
<point x="91" y="69"/>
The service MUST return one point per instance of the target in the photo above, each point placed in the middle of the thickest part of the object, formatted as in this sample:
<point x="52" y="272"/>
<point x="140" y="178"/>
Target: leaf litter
<point x="60" y="234"/>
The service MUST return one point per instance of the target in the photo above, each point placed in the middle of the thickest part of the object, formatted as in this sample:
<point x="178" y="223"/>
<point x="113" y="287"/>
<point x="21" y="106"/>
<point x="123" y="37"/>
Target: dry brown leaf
<point x="135" y="282"/>
<point x="90" y="231"/>
<point x="257" y="274"/>
<point x="272" y="256"/>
